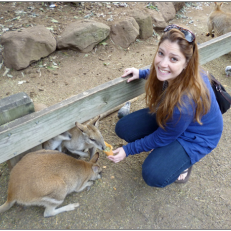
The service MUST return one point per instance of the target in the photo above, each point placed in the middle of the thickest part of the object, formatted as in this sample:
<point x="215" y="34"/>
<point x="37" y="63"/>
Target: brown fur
<point x="218" y="21"/>
<point x="45" y="178"/>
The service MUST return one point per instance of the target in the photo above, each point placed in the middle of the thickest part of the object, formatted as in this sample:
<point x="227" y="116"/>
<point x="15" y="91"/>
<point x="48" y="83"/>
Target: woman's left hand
<point x="120" y="156"/>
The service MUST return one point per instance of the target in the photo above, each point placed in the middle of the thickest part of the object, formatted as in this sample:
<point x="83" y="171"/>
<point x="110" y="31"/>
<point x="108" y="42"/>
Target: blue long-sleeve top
<point x="197" y="140"/>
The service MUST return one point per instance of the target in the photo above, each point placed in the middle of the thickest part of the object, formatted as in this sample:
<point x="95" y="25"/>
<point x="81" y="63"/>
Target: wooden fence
<point x="33" y="129"/>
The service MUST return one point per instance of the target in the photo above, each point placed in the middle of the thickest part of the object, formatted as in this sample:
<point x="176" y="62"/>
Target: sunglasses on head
<point x="189" y="36"/>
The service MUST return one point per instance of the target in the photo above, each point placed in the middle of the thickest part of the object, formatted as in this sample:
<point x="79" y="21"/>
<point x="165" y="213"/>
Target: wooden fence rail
<point x="31" y="130"/>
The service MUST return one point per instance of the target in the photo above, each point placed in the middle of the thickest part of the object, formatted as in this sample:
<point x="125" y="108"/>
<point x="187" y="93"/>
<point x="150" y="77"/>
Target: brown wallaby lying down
<point x="85" y="137"/>
<point x="55" y="142"/>
<point x="219" y="21"/>
<point x="45" y="177"/>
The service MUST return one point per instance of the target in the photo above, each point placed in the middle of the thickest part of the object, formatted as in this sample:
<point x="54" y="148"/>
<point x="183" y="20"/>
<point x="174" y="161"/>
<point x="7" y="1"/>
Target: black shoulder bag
<point x="223" y="98"/>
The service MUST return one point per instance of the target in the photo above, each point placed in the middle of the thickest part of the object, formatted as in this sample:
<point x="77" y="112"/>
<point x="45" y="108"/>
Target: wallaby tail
<point x="7" y="205"/>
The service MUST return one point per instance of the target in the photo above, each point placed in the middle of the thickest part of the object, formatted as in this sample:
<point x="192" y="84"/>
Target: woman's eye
<point x="174" y="59"/>
<point x="160" y="53"/>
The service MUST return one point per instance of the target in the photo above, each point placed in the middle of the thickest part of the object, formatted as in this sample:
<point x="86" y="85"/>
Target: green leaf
<point x="103" y="43"/>
<point x="150" y="6"/>
<point x="55" y="21"/>
<point x="52" y="67"/>
<point x="50" y="28"/>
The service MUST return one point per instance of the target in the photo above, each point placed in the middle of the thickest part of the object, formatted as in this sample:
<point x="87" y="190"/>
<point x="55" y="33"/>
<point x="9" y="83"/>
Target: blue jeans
<point x="163" y="165"/>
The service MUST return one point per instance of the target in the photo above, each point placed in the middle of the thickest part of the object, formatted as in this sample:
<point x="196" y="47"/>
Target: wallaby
<point x="55" y="142"/>
<point x="218" y="21"/>
<point x="85" y="137"/>
<point x="45" y="177"/>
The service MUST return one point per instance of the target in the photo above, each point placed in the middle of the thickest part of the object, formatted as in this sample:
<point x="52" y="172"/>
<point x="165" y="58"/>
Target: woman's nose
<point x="164" y="62"/>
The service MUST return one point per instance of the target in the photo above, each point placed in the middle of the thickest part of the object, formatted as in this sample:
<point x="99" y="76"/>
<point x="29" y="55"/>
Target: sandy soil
<point x="121" y="199"/>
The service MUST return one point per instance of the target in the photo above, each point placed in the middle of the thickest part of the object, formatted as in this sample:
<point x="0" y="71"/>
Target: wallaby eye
<point x="92" y="139"/>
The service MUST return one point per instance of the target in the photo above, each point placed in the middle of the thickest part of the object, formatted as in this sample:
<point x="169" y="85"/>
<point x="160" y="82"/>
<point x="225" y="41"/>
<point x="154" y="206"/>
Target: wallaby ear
<point x="97" y="122"/>
<point x="95" y="158"/>
<point x="95" y="168"/>
<point x="80" y="126"/>
<point x="94" y="121"/>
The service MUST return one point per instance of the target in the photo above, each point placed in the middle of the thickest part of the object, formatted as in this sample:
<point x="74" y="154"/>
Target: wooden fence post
<point x="11" y="108"/>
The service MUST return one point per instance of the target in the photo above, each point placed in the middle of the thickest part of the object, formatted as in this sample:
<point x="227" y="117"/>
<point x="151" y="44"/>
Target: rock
<point x="178" y="5"/>
<point x="125" y="110"/>
<point x="145" y="23"/>
<point x="83" y="35"/>
<point x="228" y="71"/>
<point x="27" y="46"/>
<point x="167" y="9"/>
<point x="157" y="19"/>
<point x="123" y="33"/>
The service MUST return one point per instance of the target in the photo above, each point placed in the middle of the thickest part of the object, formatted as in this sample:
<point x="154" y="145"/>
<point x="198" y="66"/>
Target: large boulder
<point x="167" y="9"/>
<point x="178" y="5"/>
<point x="25" y="46"/>
<point x="157" y="18"/>
<point x="125" y="32"/>
<point x="83" y="35"/>
<point x="145" y="23"/>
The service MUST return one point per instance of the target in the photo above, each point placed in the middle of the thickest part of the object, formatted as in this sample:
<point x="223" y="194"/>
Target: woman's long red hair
<point x="189" y="83"/>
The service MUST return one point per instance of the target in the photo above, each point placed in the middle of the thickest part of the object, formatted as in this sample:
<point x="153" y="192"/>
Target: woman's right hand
<point x="120" y="155"/>
<point x="133" y="71"/>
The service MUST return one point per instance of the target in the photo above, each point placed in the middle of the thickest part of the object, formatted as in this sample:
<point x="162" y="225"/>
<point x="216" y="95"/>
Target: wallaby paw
<point x="71" y="207"/>
<point x="90" y="183"/>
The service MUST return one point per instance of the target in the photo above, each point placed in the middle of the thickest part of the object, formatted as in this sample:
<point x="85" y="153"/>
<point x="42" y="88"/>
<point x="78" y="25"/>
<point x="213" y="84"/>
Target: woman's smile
<point x="163" y="71"/>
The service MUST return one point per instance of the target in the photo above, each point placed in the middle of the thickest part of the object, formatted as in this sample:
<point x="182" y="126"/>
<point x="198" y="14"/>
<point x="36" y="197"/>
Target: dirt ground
<point x="121" y="199"/>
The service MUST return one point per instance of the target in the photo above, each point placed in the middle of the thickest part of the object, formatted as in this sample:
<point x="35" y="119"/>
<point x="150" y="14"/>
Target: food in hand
<point x="108" y="149"/>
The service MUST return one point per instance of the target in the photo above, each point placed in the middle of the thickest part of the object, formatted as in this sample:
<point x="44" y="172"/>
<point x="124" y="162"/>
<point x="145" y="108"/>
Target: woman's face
<point x="169" y="61"/>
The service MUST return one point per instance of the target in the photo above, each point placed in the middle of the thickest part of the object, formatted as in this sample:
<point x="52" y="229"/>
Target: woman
<point x="183" y="121"/>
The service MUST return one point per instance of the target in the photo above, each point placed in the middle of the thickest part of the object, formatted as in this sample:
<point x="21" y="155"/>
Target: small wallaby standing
<point x="85" y="137"/>
<point x="55" y="142"/>
<point x="45" y="177"/>
<point x="218" y="21"/>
